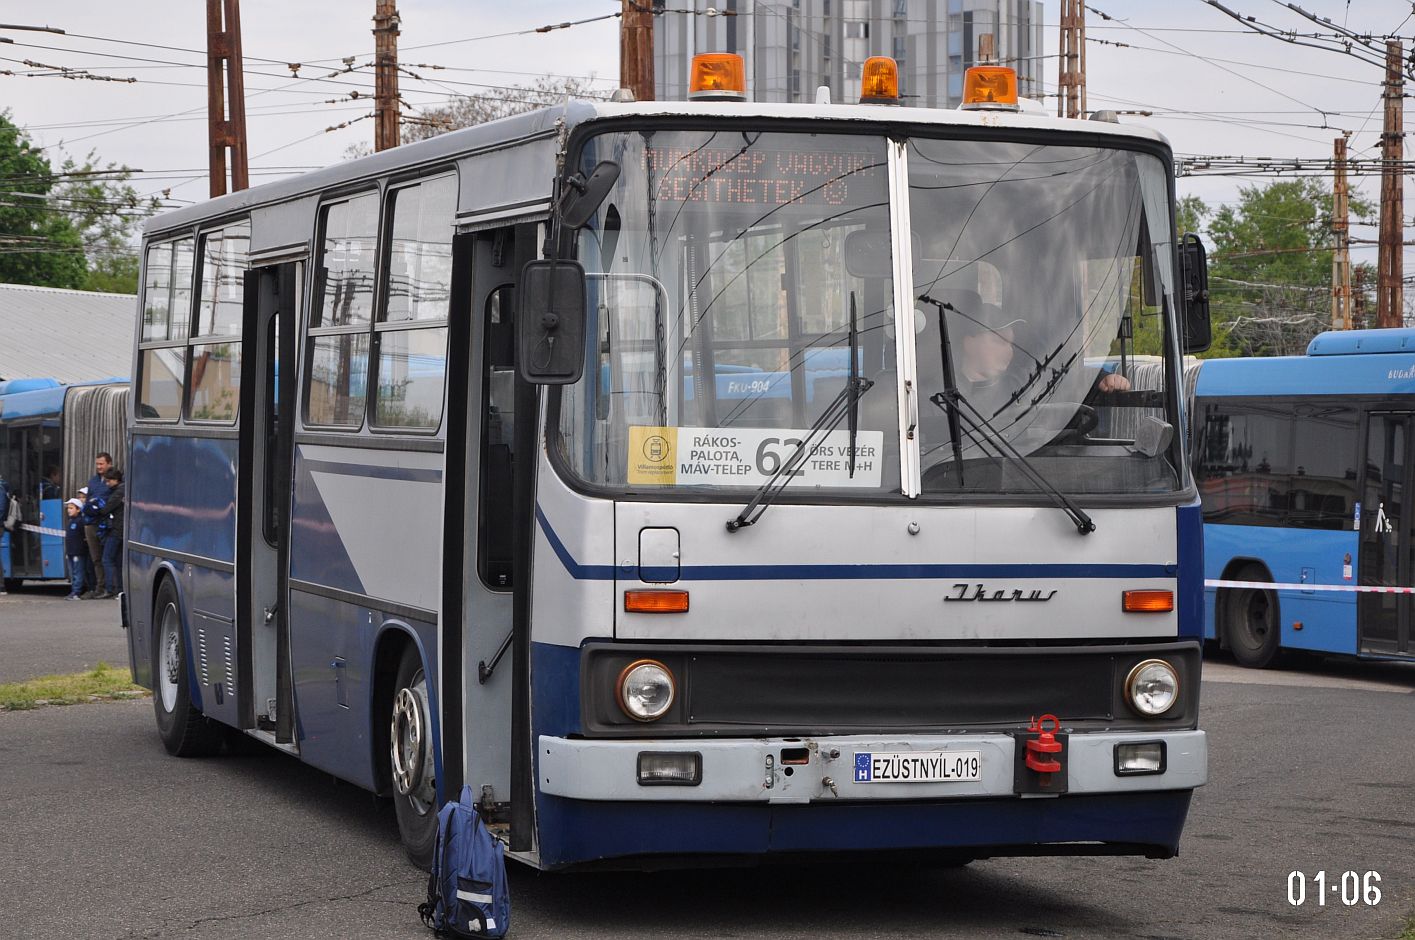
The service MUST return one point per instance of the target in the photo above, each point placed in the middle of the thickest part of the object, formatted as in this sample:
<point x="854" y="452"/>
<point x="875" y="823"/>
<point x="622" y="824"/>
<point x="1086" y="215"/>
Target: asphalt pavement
<point x="41" y="633"/>
<point x="106" y="836"/>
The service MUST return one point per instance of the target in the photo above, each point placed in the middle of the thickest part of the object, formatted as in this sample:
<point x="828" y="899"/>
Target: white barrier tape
<point x="1343" y="588"/>
<point x="41" y="530"/>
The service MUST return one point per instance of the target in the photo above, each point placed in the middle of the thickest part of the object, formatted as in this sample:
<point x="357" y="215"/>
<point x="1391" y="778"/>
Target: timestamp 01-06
<point x="1352" y="887"/>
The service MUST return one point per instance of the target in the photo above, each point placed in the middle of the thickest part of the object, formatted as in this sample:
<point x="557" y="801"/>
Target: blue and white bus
<point x="49" y="434"/>
<point x="1304" y="469"/>
<point x="585" y="458"/>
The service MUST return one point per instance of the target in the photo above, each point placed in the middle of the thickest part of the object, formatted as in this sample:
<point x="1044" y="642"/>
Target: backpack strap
<point x="427" y="911"/>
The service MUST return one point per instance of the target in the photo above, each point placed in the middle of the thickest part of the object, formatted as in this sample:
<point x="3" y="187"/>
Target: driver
<point x="987" y="345"/>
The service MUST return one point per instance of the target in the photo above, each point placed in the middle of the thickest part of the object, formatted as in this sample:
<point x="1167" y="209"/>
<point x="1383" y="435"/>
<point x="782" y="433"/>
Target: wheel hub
<point x="410" y="747"/>
<point x="170" y="671"/>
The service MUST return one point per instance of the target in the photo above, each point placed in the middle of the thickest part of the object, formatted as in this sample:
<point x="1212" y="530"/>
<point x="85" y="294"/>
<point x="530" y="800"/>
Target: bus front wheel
<point x="410" y="761"/>
<point x="1251" y="624"/>
<point x="184" y="730"/>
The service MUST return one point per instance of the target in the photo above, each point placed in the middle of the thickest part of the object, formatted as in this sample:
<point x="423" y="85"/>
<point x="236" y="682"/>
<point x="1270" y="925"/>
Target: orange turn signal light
<point x="719" y="75"/>
<point x="656" y="602"/>
<point x="1148" y="602"/>
<point x="990" y="86"/>
<point x="879" y="81"/>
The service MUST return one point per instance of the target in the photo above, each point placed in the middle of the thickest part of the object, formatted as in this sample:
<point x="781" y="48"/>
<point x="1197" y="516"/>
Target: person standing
<point x="111" y="529"/>
<point x="5" y="522"/>
<point x="97" y="490"/>
<point x="76" y="549"/>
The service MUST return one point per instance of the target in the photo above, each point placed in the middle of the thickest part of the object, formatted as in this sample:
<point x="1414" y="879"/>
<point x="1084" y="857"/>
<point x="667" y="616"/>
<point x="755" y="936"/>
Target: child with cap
<point x="76" y="548"/>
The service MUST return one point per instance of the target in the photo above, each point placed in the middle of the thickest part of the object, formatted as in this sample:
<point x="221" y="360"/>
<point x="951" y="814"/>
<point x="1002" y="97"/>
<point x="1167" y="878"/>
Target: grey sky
<point x="287" y="119"/>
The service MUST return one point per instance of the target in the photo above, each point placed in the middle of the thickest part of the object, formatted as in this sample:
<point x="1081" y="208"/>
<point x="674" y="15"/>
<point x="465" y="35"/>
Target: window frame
<point x="211" y="339"/>
<point x="379" y="323"/>
<point x="311" y="334"/>
<point x="169" y="243"/>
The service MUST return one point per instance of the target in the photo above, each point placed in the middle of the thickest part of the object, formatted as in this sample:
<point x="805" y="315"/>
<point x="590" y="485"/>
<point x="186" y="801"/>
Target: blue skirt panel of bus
<point x="576" y="831"/>
<point x="183" y="495"/>
<point x="1310" y="556"/>
<point x="333" y="648"/>
<point x="206" y="596"/>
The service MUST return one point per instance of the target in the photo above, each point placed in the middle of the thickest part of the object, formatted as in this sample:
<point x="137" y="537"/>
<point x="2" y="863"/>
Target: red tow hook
<point x="1045" y="743"/>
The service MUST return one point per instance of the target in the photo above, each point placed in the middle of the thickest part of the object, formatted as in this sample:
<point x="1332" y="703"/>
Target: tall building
<point x="794" y="46"/>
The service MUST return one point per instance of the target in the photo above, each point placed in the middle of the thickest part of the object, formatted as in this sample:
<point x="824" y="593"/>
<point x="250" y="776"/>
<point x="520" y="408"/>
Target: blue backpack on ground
<point x="466" y="894"/>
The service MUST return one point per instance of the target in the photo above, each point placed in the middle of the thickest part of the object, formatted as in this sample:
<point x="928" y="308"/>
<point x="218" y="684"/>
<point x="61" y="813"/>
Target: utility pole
<point x="987" y="49"/>
<point x="636" y="48"/>
<point x="386" y="134"/>
<point x="1390" y="298"/>
<point x="1341" y="228"/>
<point x="1071" y="67"/>
<point x="225" y="131"/>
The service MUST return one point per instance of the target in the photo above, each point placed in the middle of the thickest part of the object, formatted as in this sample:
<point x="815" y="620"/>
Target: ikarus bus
<point x="698" y="481"/>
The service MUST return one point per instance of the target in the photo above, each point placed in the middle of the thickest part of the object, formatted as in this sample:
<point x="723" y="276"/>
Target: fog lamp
<point x="670" y="768"/>
<point x="1142" y="757"/>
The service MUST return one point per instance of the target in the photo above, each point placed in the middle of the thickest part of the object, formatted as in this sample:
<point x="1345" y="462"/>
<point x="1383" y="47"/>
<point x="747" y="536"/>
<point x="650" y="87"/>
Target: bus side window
<point x="498" y="419"/>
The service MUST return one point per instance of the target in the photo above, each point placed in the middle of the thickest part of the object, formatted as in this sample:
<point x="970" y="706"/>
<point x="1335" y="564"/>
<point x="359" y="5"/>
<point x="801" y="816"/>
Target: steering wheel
<point x="1081" y="424"/>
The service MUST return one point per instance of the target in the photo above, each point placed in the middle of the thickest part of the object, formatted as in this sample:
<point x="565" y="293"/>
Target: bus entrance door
<point x="272" y="321"/>
<point x="1386" y="536"/>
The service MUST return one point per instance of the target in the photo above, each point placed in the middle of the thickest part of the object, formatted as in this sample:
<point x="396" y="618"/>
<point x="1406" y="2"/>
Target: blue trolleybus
<point x="1303" y="464"/>
<point x="700" y="481"/>
<point x="49" y="434"/>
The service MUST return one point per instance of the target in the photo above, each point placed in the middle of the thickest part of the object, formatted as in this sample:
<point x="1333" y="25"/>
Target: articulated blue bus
<point x="1304" y="467"/>
<point x="49" y="433"/>
<point x="452" y="465"/>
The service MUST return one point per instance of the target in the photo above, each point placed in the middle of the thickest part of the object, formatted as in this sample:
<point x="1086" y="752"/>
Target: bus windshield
<point x="1052" y="266"/>
<point x="741" y="280"/>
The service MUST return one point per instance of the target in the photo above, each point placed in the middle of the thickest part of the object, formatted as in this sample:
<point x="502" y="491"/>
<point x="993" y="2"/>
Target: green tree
<point x="74" y="227"/>
<point x="1270" y="267"/>
<point x="37" y="244"/>
<point x="105" y="209"/>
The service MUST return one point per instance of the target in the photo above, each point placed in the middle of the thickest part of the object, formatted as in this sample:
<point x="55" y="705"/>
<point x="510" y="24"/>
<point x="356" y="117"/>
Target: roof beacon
<point x="718" y="76"/>
<point x="879" y="81"/>
<point x="990" y="88"/>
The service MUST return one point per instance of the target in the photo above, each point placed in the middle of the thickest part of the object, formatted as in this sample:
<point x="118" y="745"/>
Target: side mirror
<point x="550" y="322"/>
<point x="581" y="196"/>
<point x="1194" y="280"/>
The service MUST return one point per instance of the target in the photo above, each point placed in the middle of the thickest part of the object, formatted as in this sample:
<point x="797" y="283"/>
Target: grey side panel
<point x="283" y="226"/>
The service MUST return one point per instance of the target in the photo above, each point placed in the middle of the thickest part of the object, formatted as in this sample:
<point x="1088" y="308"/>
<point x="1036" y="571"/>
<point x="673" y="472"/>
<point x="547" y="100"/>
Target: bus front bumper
<point x="842" y="767"/>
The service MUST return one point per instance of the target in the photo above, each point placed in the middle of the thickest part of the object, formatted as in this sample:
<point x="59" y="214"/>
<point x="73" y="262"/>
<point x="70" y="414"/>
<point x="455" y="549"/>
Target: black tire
<point x="185" y="732"/>
<point x="13" y="584"/>
<point x="414" y="788"/>
<point x="1252" y="628"/>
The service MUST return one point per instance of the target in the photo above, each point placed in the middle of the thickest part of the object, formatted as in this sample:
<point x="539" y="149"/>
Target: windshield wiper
<point x="953" y="403"/>
<point x="846" y="404"/>
<point x="950" y="384"/>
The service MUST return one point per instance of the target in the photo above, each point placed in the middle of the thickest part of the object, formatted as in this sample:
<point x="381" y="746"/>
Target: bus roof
<point x="43" y="402"/>
<point x="1346" y="362"/>
<point x="542" y="124"/>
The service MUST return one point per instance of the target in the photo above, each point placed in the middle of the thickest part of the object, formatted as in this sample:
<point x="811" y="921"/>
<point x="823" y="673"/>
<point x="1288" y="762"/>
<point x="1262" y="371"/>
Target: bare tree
<point x="499" y="102"/>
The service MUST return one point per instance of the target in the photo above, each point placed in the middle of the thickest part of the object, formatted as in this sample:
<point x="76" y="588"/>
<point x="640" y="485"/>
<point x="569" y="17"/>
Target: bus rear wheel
<point x="410" y="761"/>
<point x="1251" y="625"/>
<point x="185" y="732"/>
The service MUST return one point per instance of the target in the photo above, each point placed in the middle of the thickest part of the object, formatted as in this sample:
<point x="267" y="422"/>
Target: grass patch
<point x="100" y="684"/>
<point x="1409" y="933"/>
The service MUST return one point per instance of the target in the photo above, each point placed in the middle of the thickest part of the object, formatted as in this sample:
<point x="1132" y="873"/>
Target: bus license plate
<point x="918" y="767"/>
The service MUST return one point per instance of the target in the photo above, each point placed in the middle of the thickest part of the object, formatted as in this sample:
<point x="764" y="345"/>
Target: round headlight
<point x="1152" y="687"/>
<point x="646" y="689"/>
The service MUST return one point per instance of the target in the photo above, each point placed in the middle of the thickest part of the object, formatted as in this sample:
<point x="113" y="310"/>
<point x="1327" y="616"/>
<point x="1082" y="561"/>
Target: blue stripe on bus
<point x="853" y="572"/>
